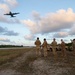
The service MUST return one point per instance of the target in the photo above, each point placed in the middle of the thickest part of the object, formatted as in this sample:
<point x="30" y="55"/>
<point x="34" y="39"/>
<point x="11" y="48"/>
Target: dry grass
<point x="29" y="64"/>
<point x="26" y="67"/>
<point x="9" y="55"/>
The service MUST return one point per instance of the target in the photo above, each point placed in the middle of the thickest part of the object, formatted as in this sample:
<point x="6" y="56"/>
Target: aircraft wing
<point x="15" y="13"/>
<point x="6" y="14"/>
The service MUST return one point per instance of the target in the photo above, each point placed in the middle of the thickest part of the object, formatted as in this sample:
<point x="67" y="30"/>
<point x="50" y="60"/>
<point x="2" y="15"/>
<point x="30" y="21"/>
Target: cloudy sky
<point x="38" y="18"/>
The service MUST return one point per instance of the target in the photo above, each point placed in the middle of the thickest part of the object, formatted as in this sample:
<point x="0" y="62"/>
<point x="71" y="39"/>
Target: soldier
<point x="54" y="45"/>
<point x="44" y="45"/>
<point x="63" y="48"/>
<point x="38" y="44"/>
<point x="73" y="45"/>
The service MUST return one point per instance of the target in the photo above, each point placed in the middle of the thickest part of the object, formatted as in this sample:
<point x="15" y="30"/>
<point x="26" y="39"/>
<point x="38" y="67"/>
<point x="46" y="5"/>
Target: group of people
<point x="44" y="47"/>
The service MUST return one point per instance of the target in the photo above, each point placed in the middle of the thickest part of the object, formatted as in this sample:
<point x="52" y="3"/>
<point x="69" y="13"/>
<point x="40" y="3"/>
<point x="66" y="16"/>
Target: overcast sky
<point x="38" y="18"/>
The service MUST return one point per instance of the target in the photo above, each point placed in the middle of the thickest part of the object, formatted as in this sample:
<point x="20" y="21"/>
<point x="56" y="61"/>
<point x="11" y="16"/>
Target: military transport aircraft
<point x="11" y="14"/>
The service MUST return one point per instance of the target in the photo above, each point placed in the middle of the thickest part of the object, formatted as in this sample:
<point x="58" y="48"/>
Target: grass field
<point x="10" y="54"/>
<point x="25" y="62"/>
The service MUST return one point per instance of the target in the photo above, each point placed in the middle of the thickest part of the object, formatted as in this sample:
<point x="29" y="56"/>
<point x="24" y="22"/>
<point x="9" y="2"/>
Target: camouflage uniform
<point x="73" y="45"/>
<point x="38" y="44"/>
<point x="54" y="45"/>
<point x="44" y="45"/>
<point x="63" y="48"/>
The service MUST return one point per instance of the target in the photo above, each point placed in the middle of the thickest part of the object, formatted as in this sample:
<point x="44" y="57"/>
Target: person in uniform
<point x="73" y="45"/>
<point x="38" y="44"/>
<point x="54" y="45"/>
<point x="63" y="48"/>
<point x="44" y="46"/>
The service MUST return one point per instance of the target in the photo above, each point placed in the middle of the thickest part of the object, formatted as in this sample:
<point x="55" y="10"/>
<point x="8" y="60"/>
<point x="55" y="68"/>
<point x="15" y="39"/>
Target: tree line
<point x="8" y="46"/>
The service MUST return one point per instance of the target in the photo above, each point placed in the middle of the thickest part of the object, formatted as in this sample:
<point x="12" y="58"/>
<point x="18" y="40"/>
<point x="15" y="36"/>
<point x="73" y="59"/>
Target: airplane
<point x="11" y="14"/>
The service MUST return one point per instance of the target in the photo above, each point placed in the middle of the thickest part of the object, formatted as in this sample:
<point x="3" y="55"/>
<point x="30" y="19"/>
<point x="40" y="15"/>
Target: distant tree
<point x="7" y="46"/>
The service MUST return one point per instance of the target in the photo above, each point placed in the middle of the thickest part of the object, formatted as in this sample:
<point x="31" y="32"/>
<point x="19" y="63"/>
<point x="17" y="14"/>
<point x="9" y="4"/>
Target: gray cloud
<point x="52" y="22"/>
<point x="61" y="34"/>
<point x="5" y="31"/>
<point x="11" y="33"/>
<point x="2" y="29"/>
<point x="5" y="40"/>
<point x="29" y="37"/>
<point x="72" y="30"/>
<point x="36" y="16"/>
